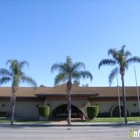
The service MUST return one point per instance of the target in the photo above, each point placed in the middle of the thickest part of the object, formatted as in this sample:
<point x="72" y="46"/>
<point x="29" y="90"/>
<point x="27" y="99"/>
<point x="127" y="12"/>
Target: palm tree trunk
<point x="69" y="84"/>
<point x="124" y="99"/>
<point x="13" y="108"/>
<point x="69" y="107"/>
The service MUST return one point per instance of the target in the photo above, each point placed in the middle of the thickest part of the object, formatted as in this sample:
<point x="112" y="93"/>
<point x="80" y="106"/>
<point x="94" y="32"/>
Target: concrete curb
<point x="53" y="124"/>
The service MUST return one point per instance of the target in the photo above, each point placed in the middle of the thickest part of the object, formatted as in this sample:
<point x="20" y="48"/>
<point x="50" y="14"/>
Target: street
<point x="65" y="133"/>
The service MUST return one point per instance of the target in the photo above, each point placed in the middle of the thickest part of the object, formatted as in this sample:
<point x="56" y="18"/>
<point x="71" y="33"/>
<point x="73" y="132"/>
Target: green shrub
<point x="4" y="113"/>
<point x="135" y="114"/>
<point x="44" y="111"/>
<point x="92" y="112"/>
<point x="104" y="115"/>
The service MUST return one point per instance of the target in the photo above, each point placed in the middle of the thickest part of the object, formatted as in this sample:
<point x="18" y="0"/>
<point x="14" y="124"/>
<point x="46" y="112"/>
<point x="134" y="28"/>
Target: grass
<point x="112" y="119"/>
<point x="4" y="120"/>
<point x="100" y="120"/>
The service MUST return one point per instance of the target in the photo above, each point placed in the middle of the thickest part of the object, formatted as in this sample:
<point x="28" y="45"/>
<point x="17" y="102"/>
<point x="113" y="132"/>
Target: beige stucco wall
<point x="108" y="106"/>
<point x="104" y="106"/>
<point x="27" y="110"/>
<point x="131" y="107"/>
<point x="6" y="107"/>
<point x="30" y="110"/>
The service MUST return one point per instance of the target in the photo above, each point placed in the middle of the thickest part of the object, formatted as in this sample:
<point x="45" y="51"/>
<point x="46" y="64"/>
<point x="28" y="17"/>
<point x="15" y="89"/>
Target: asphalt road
<point x="119" y="132"/>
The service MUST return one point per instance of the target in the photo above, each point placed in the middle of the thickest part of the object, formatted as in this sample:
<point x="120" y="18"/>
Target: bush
<point x="92" y="112"/>
<point x="104" y="115"/>
<point x="4" y="113"/>
<point x="136" y="114"/>
<point x="44" y="111"/>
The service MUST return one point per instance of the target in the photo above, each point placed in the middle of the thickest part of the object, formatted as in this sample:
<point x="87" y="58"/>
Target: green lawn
<point x="3" y="120"/>
<point x="137" y="119"/>
<point x="112" y="119"/>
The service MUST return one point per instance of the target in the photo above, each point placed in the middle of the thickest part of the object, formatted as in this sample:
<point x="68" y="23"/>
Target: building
<point x="28" y="100"/>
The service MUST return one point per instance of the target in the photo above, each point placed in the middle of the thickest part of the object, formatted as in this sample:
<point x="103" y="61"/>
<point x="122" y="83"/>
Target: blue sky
<point x="44" y="32"/>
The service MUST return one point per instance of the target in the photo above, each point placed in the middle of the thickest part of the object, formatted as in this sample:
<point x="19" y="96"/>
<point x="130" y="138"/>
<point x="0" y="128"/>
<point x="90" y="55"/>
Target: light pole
<point x="137" y="90"/>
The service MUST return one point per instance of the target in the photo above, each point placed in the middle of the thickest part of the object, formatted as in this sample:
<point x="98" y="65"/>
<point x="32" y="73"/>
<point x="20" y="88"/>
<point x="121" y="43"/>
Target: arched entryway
<point x="115" y="111"/>
<point x="60" y="113"/>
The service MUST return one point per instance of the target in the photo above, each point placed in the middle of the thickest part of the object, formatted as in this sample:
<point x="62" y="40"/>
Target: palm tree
<point x="69" y="71"/>
<point x="15" y="75"/>
<point x="122" y="59"/>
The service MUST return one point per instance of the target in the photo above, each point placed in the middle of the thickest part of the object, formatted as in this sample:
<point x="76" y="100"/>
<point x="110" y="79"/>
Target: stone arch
<point x="114" y="112"/>
<point x="64" y="102"/>
<point x="59" y="112"/>
<point x="56" y="105"/>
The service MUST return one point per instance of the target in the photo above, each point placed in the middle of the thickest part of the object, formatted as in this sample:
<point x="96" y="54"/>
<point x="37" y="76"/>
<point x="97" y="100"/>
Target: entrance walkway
<point x="64" y="120"/>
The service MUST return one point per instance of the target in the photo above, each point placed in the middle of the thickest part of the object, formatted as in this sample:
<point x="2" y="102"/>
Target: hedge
<point x="106" y="114"/>
<point x="136" y="114"/>
<point x="44" y="111"/>
<point x="92" y="112"/>
<point x="4" y="113"/>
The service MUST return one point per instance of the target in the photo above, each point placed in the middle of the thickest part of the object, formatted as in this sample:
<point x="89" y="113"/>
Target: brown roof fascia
<point x="132" y="98"/>
<point x="23" y="99"/>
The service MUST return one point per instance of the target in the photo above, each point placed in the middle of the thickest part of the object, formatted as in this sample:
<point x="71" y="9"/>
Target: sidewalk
<point x="92" y="124"/>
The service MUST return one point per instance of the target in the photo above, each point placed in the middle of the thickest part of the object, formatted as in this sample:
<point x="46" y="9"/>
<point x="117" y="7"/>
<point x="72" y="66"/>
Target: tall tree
<point x="15" y="75"/>
<point x="69" y="71"/>
<point x="77" y="83"/>
<point x="121" y="60"/>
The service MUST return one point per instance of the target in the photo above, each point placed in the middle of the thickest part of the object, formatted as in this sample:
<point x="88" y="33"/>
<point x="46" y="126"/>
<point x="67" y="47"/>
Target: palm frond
<point x="28" y="80"/>
<point x="121" y="52"/>
<point x="61" y="67"/>
<point x="61" y="77"/>
<point x="23" y="63"/>
<point x="133" y="60"/>
<point x="122" y="48"/>
<point x="106" y="62"/>
<point x="65" y="68"/>
<point x="78" y="65"/>
<point x="112" y="75"/>
<point x="127" y="54"/>
<point x="86" y="74"/>
<point x="112" y="52"/>
<point x="76" y="75"/>
<point x="69" y="71"/>
<point x="13" y="63"/>
<point x="9" y="61"/>
<point x="56" y="66"/>
<point x="14" y="66"/>
<point x="69" y="61"/>
<point x="4" y="80"/>
<point x="5" y="72"/>
<point x="16" y="80"/>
